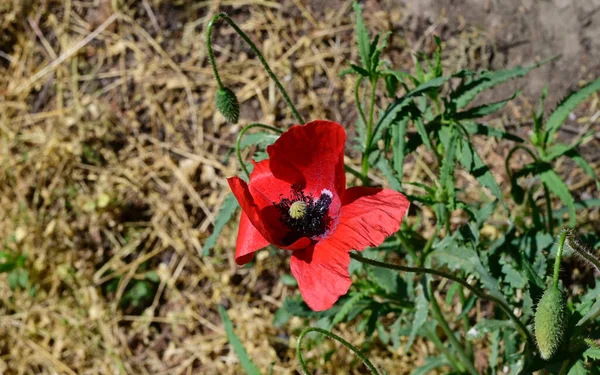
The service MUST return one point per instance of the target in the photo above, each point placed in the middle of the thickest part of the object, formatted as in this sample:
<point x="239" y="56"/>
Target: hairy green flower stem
<point x="559" y="251"/>
<point x="437" y="312"/>
<point x="333" y="336"/>
<point x="507" y="310"/>
<point x="238" y="149"/>
<point x="211" y="59"/>
<point x="584" y="252"/>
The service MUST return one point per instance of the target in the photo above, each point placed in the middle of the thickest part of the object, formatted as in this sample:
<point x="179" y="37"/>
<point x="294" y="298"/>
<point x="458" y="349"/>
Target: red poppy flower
<point x="297" y="200"/>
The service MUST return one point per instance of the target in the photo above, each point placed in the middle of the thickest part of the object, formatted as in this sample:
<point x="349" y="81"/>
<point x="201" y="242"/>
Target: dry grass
<point x="113" y="164"/>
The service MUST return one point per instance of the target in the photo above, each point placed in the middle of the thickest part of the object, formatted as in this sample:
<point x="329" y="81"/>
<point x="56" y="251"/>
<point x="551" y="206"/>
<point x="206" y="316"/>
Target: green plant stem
<point x="559" y="251"/>
<point x="463" y="300"/>
<point x="438" y="343"/>
<point x="549" y="209"/>
<point x="507" y="310"/>
<point x="357" y="98"/>
<point x="437" y="312"/>
<point x="365" y="161"/>
<point x="211" y="59"/>
<point x="333" y="336"/>
<point x="238" y="150"/>
<point x="510" y="155"/>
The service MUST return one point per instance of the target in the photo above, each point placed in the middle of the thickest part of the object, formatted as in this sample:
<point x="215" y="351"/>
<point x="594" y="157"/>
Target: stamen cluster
<point x="312" y="220"/>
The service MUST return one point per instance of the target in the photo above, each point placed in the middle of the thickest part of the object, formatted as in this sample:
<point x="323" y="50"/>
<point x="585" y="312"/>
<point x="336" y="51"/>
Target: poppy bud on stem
<point x="211" y="59"/>
<point x="550" y="315"/>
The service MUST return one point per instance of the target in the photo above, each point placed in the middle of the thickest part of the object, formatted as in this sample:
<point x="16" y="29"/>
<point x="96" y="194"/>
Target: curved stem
<point x="437" y="312"/>
<point x="510" y="155"/>
<point x="238" y="150"/>
<point x="559" y="251"/>
<point x="211" y="59"/>
<point x="333" y="336"/>
<point x="519" y="325"/>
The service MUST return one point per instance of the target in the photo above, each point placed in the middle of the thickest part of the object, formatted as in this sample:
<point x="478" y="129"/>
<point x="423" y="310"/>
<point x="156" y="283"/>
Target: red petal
<point x="256" y="200"/>
<point x="312" y="156"/>
<point x="367" y="217"/>
<point x="322" y="275"/>
<point x="249" y="240"/>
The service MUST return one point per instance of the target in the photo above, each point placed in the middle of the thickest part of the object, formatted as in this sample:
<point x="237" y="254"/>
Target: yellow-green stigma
<point x="298" y="210"/>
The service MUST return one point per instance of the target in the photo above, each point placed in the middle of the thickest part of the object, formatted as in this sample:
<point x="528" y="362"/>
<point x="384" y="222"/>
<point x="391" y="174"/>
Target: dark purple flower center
<point x="303" y="215"/>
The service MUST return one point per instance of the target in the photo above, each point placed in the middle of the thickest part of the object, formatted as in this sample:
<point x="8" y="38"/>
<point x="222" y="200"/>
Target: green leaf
<point x="7" y="262"/>
<point x="385" y="278"/>
<point x="483" y="110"/>
<point x="567" y="105"/>
<point x="513" y="277"/>
<point x="421" y="313"/>
<point x="225" y="213"/>
<point x="261" y="139"/>
<point x="467" y="91"/>
<point x="281" y="317"/>
<point x="592" y="353"/>
<point x="362" y="38"/>
<point x="238" y="348"/>
<point x="583" y="164"/>
<point x="13" y="279"/>
<point x="431" y="363"/>
<point x="578" y="368"/>
<point x="288" y="280"/>
<point x="398" y="142"/>
<point x="377" y="48"/>
<point x="480" y="129"/>
<point x="448" y="164"/>
<point x="23" y="278"/>
<point x="361" y="71"/>
<point x="418" y="121"/>
<point x="472" y="162"/>
<point x="593" y="311"/>
<point x="558" y="187"/>
<point x="384" y="166"/>
<point x="346" y="307"/>
<point x="297" y="307"/>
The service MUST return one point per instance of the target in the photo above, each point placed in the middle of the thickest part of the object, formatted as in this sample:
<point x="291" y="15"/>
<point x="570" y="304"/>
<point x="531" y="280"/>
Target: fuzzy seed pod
<point x="549" y="322"/>
<point x="228" y="104"/>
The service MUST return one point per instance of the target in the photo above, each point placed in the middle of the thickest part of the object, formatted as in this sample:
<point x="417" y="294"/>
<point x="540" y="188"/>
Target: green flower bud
<point x="228" y="105"/>
<point x="549" y="322"/>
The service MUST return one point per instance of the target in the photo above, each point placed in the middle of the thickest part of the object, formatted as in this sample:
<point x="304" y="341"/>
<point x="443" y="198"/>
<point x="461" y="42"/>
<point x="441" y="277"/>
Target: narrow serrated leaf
<point x="398" y="142"/>
<point x="483" y="110"/>
<point x="362" y="38"/>
<point x="384" y="166"/>
<point x="481" y="129"/>
<point x="583" y="164"/>
<point x="467" y="91"/>
<point x="472" y="162"/>
<point x="592" y="353"/>
<point x="431" y="363"/>
<point x="421" y="313"/>
<point x="238" y="348"/>
<point x="567" y="105"/>
<point x="558" y="187"/>
<point x="225" y="213"/>
<point x="592" y="312"/>
<point x="346" y="307"/>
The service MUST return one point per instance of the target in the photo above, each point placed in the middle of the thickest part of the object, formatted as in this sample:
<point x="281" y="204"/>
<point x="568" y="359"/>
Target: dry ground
<point x="113" y="166"/>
